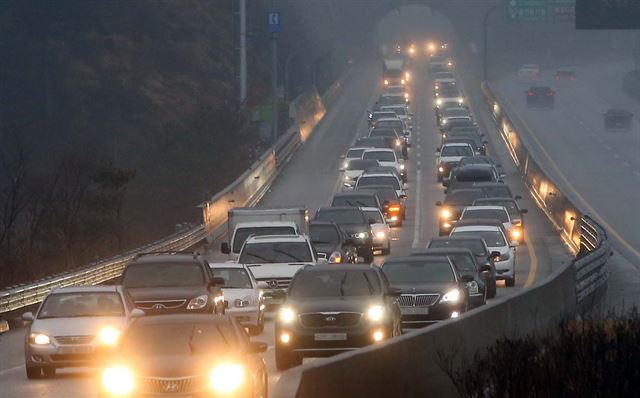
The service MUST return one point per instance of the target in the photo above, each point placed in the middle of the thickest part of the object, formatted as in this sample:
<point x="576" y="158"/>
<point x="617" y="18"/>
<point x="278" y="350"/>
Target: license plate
<point x="76" y="350"/>
<point x="414" y="310"/>
<point x="330" y="336"/>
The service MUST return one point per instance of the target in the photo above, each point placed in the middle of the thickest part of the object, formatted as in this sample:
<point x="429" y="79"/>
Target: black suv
<point x="541" y="97"/>
<point x="329" y="239"/>
<point x="453" y="204"/>
<point x="331" y="309"/>
<point x="357" y="198"/>
<point x="354" y="222"/>
<point x="169" y="282"/>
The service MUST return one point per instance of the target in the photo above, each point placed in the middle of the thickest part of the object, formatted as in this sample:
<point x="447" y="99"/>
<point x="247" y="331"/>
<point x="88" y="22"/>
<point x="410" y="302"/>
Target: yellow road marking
<point x="533" y="262"/>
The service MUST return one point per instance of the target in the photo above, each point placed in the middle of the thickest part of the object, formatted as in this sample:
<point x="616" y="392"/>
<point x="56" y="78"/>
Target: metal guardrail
<point x="590" y="265"/>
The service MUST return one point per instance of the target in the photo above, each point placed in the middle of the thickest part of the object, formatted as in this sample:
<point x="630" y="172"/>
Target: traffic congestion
<point x="183" y="324"/>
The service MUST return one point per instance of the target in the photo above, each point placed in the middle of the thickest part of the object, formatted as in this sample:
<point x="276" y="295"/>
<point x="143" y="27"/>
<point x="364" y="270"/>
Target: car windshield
<point x="242" y="234"/>
<point x="341" y="283"/>
<point x="394" y="124"/>
<point x="355" y="201"/>
<point x="163" y="275"/>
<point x="354" y="153"/>
<point x="474" y="160"/>
<point x="393" y="73"/>
<point x="342" y="216"/>
<point x="360" y="164"/>
<point x="324" y="234"/>
<point x="457" y="112"/>
<point x="475" y="245"/>
<point x="474" y="175"/>
<point x="379" y="180"/>
<point x="234" y="278"/>
<point x="388" y="194"/>
<point x="380" y="132"/>
<point x="275" y="252"/>
<point x="462" y="198"/>
<point x="374" y="215"/>
<point x="76" y="305"/>
<point x="382" y="156"/>
<point x="449" y="92"/>
<point x="178" y="339"/>
<point x="493" y="238"/>
<point x="456" y="150"/>
<point x="413" y="272"/>
<point x="395" y="90"/>
<point x="384" y="115"/>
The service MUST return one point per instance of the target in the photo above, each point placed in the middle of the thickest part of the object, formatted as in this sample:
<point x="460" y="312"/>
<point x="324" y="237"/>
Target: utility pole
<point x="273" y="26"/>
<point x="485" y="34"/>
<point x="243" y="52"/>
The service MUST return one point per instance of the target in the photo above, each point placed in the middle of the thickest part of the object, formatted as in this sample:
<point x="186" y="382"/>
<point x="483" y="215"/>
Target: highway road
<point x="310" y="180"/>
<point x="598" y="170"/>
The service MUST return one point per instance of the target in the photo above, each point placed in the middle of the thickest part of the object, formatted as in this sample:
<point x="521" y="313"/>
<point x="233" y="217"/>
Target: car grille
<point x="184" y="385"/>
<point x="160" y="304"/>
<point x="68" y="340"/>
<point x="276" y="283"/>
<point x="342" y="319"/>
<point x="418" y="300"/>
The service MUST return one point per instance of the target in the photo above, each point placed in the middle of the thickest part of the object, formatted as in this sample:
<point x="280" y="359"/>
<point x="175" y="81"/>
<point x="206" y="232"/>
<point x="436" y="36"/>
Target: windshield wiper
<point x="287" y="254"/>
<point x="269" y="260"/>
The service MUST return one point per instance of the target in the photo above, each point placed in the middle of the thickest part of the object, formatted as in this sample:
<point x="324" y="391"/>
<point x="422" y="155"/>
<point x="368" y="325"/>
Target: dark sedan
<point x="541" y="97"/>
<point x="466" y="176"/>
<point x="431" y="288"/>
<point x="329" y="239"/>
<point x="331" y="309"/>
<point x="186" y="356"/>
<point x="392" y="205"/>
<point x="354" y="222"/>
<point x="453" y="204"/>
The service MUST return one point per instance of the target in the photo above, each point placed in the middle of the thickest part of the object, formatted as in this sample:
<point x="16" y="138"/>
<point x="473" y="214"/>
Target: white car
<point x="496" y="241"/>
<point x="394" y="123"/>
<point x="368" y="179"/>
<point x="402" y="112"/>
<point x="443" y="77"/>
<point x="274" y="259"/>
<point x="449" y="156"/>
<point x="386" y="157"/>
<point x="74" y="326"/>
<point x="528" y="72"/>
<point x="243" y="298"/>
<point x="380" y="230"/>
<point x="493" y="212"/>
<point x="354" y="170"/>
<point x="352" y="153"/>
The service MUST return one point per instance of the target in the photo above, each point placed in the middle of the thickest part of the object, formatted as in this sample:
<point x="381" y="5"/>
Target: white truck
<point x="394" y="72"/>
<point x="244" y="222"/>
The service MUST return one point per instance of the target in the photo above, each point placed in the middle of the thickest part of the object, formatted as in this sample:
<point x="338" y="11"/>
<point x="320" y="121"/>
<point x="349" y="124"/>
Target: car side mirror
<point x="256" y="347"/>
<point x="322" y="256"/>
<point x="438" y="203"/>
<point x="524" y="211"/>
<point x="502" y="175"/>
<point x="137" y="313"/>
<point x="225" y="248"/>
<point x="466" y="278"/>
<point x="343" y="156"/>
<point x="402" y="196"/>
<point x="517" y="197"/>
<point x="28" y="316"/>
<point x="485" y="268"/>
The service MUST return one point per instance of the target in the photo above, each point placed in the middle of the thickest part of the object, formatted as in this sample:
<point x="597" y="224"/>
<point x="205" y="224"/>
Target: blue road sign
<point x="273" y="22"/>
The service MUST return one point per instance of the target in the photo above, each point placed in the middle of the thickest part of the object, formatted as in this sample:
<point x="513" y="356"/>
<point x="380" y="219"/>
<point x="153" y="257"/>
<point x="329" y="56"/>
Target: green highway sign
<point x="540" y="10"/>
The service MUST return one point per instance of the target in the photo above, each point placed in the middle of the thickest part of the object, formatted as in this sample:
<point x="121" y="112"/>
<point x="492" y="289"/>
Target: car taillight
<point x="394" y="208"/>
<point x="557" y="77"/>
<point x="551" y="93"/>
<point x="530" y="94"/>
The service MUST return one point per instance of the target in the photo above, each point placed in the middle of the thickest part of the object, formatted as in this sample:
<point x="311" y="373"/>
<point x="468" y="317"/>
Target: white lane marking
<point x="5" y="371"/>
<point x="418" y="163"/>
<point x="416" y="226"/>
<point x="418" y="146"/>
<point x="418" y="154"/>
<point x="615" y="155"/>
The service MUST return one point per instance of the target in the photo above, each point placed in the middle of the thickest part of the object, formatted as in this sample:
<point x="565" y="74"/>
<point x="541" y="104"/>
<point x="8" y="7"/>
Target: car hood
<point x="81" y="326"/>
<point x="332" y="304"/>
<point x="171" y="366"/>
<point x="165" y="293"/>
<point x="275" y="270"/>
<point x="327" y="248"/>
<point x="422" y="288"/>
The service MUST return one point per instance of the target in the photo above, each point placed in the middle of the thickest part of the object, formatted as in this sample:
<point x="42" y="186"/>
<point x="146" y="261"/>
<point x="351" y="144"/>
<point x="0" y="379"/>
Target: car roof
<point x="496" y="199"/>
<point x="336" y="208"/>
<point x="476" y="222"/>
<point x="417" y="257"/>
<point x="455" y="144"/>
<point x="379" y="150"/>
<point x="389" y="119"/>
<point x="350" y="267"/>
<point x="432" y="251"/>
<point x="353" y="193"/>
<point x="359" y="148"/>
<point x="86" y="289"/>
<point x="472" y="228"/>
<point x="476" y="166"/>
<point x="323" y="223"/>
<point x="184" y="318"/>
<point x="376" y="187"/>
<point x="483" y="207"/>
<point x="453" y="237"/>
<point x="378" y="174"/>
<point x="277" y="238"/>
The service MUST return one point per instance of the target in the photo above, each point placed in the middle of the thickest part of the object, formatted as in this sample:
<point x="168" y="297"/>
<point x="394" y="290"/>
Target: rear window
<point x="275" y="252"/>
<point x="474" y="175"/>
<point x="354" y="201"/>
<point x="382" y="156"/>
<point x="335" y="284"/>
<point x="493" y="238"/>
<point x="394" y="124"/>
<point x="418" y="271"/>
<point x="458" y="150"/>
<point x="444" y="75"/>
<point x="499" y="191"/>
<point x="361" y="164"/>
<point x="382" y="133"/>
<point x="399" y="110"/>
<point x="242" y="234"/>
<point x="341" y="217"/>
<point x="163" y="275"/>
<point x="511" y="207"/>
<point x="474" y="214"/>
<point x="363" y="181"/>
<point x="474" y="245"/>
<point x="462" y="198"/>
<point x="384" y="115"/>
<point x="355" y="153"/>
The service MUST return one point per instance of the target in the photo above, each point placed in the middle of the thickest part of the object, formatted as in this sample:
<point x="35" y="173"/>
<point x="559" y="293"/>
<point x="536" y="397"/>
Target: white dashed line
<point x="416" y="226"/>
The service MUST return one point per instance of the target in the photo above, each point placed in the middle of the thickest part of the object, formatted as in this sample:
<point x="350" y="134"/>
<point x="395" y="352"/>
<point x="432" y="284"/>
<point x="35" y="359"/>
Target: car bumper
<point x="436" y="313"/>
<point x="248" y="316"/>
<point x="505" y="269"/>
<point x="66" y="356"/>
<point x="315" y="342"/>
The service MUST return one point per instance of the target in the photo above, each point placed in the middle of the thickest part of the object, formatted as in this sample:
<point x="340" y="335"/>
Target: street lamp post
<point x="485" y="34"/>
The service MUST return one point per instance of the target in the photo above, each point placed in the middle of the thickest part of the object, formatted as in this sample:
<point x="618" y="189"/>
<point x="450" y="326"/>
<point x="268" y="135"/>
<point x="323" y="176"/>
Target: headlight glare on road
<point x="287" y="315"/>
<point x="375" y="313"/>
<point x="109" y="336"/>
<point x="452" y="296"/>
<point x="39" y="339"/>
<point x="199" y="302"/>
<point x="118" y="380"/>
<point x="227" y="377"/>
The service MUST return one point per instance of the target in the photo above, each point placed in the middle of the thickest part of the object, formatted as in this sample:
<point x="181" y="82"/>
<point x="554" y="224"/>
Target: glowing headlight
<point x="412" y="50"/>
<point x="226" y="378"/>
<point x="375" y="313"/>
<point x="407" y="76"/>
<point x="406" y="95"/>
<point x="336" y="258"/>
<point x="345" y="165"/>
<point x="461" y="101"/>
<point x="516" y="234"/>
<point x="39" y="339"/>
<point x="452" y="296"/>
<point x="402" y="81"/>
<point x="445" y="213"/>
<point x="386" y="82"/>
<point x="438" y="101"/>
<point x="287" y="315"/>
<point x="380" y="235"/>
<point x="199" y="302"/>
<point x="444" y="121"/>
<point x="109" y="336"/>
<point x="347" y="178"/>
<point x="473" y="287"/>
<point x="360" y="235"/>
<point x="397" y="142"/>
<point x="441" y="169"/>
<point x="118" y="380"/>
<point x="401" y="167"/>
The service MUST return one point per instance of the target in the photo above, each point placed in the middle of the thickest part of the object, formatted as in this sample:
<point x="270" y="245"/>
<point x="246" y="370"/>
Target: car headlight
<point x="386" y="82"/>
<point x="438" y="101"/>
<point x="347" y="178"/>
<point x="397" y="142"/>
<point x="381" y="234"/>
<point x="243" y="302"/>
<point x="516" y="234"/>
<point x="109" y="336"/>
<point x="336" y="258"/>
<point x="375" y="313"/>
<point x="227" y="377"/>
<point x="39" y="339"/>
<point x="502" y="257"/>
<point x="199" y="302"/>
<point x="118" y="380"/>
<point x="444" y="121"/>
<point x="441" y="169"/>
<point x="473" y="287"/>
<point x="406" y="95"/>
<point x="346" y="164"/>
<point x="461" y="101"/>
<point x="445" y="213"/>
<point x="360" y="235"/>
<point x="402" y="81"/>
<point x="452" y="296"/>
<point x="287" y="315"/>
<point x="401" y="167"/>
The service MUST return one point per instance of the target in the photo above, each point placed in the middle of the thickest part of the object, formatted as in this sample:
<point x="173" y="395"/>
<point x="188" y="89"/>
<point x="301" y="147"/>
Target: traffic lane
<point x="11" y="348"/>
<point x="597" y="181"/>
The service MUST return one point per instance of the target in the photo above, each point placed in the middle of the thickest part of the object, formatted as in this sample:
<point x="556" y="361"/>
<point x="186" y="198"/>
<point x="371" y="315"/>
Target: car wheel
<point x="49" y="372"/>
<point x="33" y="372"/>
<point x="286" y="359"/>
<point x="387" y="251"/>
<point x="511" y="282"/>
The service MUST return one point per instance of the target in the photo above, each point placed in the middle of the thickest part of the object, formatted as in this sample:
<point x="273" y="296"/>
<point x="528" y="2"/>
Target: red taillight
<point x="394" y="208"/>
<point x="551" y="93"/>
<point x="530" y="93"/>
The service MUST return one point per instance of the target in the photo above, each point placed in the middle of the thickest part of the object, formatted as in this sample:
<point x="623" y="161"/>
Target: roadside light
<point x="285" y="338"/>
<point x="226" y="378"/>
<point x="378" y="335"/>
<point x="118" y="380"/>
